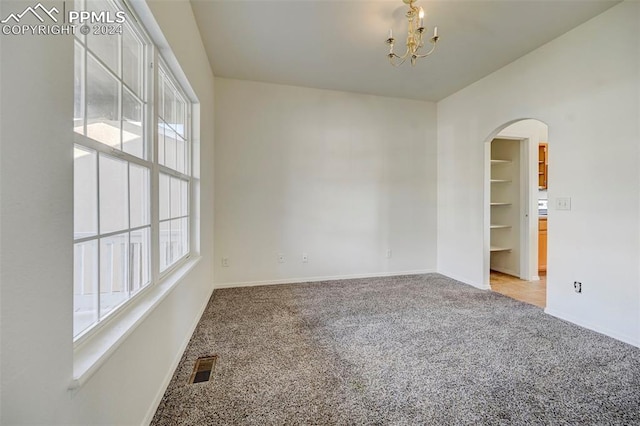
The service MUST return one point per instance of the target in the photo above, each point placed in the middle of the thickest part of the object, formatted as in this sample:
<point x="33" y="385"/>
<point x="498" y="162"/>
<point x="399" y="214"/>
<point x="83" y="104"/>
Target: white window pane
<point x="139" y="253"/>
<point x="103" y="122"/>
<point x="165" y="245"/>
<point x="114" y="272"/>
<point x="161" y="148"/>
<point x="85" y="285"/>
<point x="132" y="60"/>
<point x="164" y="196"/>
<point x="114" y="204"/>
<point x="181" y="154"/>
<point x="184" y="245"/>
<point x="85" y="192"/>
<point x="184" y="203"/>
<point x="168" y="100"/>
<point x="104" y="47"/>
<point x="78" y="89"/>
<point x="132" y="133"/>
<point x="170" y="148"/>
<point x="160" y="94"/>
<point x="139" y="195"/>
<point x="175" y="198"/>
<point x="180" y="116"/>
<point x="178" y="239"/>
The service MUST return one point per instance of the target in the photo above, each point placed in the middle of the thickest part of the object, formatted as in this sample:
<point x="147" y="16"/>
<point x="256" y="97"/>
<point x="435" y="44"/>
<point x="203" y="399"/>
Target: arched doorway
<point x="516" y="179"/>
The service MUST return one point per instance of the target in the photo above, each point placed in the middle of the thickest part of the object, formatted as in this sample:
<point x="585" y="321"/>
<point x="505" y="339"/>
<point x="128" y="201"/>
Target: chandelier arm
<point x="403" y="57"/>
<point x="393" y="56"/>
<point x="392" y="62"/>
<point x="428" y="53"/>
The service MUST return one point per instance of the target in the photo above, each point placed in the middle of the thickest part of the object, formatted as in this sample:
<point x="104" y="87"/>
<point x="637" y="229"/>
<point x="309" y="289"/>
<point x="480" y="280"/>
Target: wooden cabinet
<point x="542" y="244"/>
<point x="543" y="183"/>
<point x="543" y="166"/>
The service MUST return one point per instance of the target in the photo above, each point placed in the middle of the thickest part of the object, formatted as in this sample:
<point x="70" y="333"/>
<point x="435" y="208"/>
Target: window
<point x="121" y="165"/>
<point x="173" y="156"/>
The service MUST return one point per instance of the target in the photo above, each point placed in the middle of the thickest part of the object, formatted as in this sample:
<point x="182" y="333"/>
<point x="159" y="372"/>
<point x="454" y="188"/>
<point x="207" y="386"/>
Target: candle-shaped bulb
<point x="421" y="16"/>
<point x="435" y="31"/>
<point x="390" y="33"/>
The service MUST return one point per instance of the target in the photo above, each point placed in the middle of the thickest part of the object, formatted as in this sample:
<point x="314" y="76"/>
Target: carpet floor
<point x="400" y="350"/>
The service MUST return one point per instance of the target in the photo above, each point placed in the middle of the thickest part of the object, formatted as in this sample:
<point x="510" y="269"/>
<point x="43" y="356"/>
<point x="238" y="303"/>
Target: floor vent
<point x="203" y="369"/>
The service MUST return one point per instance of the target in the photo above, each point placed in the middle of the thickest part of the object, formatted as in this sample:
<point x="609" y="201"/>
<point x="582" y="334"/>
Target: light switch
<point x="563" y="203"/>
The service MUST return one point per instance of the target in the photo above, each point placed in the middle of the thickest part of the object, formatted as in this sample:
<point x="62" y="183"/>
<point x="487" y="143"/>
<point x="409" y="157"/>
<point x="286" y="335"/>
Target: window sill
<point x="94" y="352"/>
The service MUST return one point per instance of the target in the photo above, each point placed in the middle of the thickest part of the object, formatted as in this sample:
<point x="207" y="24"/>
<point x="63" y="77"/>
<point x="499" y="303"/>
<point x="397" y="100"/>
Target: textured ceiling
<point x="340" y="45"/>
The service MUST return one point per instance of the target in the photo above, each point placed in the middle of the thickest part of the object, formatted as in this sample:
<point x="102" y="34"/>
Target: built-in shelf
<point x="504" y="228"/>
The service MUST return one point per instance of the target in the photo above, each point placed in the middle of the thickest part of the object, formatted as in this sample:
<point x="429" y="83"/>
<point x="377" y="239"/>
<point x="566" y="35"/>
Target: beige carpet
<point x="403" y="351"/>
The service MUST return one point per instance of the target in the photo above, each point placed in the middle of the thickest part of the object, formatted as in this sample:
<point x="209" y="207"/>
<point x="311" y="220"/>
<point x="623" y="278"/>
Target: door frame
<point x="528" y="207"/>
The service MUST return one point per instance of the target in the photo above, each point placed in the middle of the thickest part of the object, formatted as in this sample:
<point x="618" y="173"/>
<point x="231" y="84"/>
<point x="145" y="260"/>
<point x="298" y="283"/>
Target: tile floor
<point x="533" y="292"/>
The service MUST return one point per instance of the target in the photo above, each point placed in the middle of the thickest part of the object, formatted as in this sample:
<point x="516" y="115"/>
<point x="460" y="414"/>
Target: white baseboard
<point x="506" y="271"/>
<point x="316" y="279"/>
<point x="174" y="364"/>
<point x="514" y="274"/>
<point x="465" y="281"/>
<point x="635" y="341"/>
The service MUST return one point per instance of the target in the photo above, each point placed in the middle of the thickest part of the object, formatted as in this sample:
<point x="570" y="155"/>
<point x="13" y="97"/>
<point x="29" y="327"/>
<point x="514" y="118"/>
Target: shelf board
<point x="494" y="249"/>
<point x="500" y="204"/>
<point x="500" y="181"/>
<point x="500" y="161"/>
<point x="500" y="226"/>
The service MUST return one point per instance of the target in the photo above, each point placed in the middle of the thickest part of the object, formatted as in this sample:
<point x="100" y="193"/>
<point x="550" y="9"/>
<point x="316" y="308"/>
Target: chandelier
<point x="415" y="33"/>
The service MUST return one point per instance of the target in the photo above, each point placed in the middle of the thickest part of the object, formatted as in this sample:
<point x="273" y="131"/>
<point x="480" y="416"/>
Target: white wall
<point x="586" y="86"/>
<point x="340" y="176"/>
<point x="36" y="219"/>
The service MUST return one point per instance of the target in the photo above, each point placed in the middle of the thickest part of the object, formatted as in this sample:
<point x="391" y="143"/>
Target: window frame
<point x="162" y="169"/>
<point x="152" y="63"/>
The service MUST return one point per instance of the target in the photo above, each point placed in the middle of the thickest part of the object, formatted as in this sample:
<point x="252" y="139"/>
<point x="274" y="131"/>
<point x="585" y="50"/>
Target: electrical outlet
<point x="280" y="258"/>
<point x="225" y="262"/>
<point x="388" y="253"/>
<point x="305" y="258"/>
<point x="563" y="203"/>
<point x="577" y="286"/>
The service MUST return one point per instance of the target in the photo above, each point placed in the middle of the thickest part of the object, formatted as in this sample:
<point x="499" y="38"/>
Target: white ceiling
<point x="340" y="45"/>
